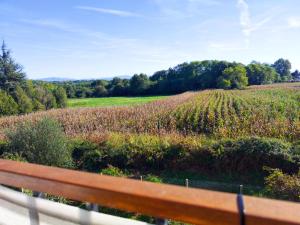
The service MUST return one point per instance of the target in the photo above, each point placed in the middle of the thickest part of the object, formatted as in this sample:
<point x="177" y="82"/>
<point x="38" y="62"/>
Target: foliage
<point x="283" y="186"/>
<point x="61" y="97"/>
<point x="245" y="156"/>
<point x="42" y="142"/>
<point x="113" y="171"/>
<point x="195" y="75"/>
<point x="261" y="74"/>
<point x="11" y="73"/>
<point x="13" y="156"/>
<point x="19" y="95"/>
<point x="8" y="106"/>
<point x="24" y="102"/>
<point x="233" y="77"/>
<point x="283" y="68"/>
<point x="87" y="156"/>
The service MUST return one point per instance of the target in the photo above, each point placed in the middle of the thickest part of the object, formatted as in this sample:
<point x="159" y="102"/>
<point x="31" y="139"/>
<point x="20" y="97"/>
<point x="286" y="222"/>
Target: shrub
<point x="8" y="106"/>
<point x="153" y="178"/>
<point x="24" y="102"/>
<point x="141" y="151"/>
<point x="13" y="156"/>
<point x="250" y="155"/>
<point x="113" y="171"/>
<point x="43" y="142"/>
<point x="283" y="186"/>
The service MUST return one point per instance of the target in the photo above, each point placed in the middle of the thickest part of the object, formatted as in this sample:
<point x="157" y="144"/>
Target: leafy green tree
<point x="61" y="97"/>
<point x="8" y="106"/>
<point x="24" y="102"/>
<point x="296" y="75"/>
<point x="283" y="68"/>
<point x="235" y="76"/>
<point x="43" y="142"/>
<point x="261" y="74"/>
<point x="100" y="91"/>
<point x="11" y="73"/>
<point x="139" y="84"/>
<point x="45" y="97"/>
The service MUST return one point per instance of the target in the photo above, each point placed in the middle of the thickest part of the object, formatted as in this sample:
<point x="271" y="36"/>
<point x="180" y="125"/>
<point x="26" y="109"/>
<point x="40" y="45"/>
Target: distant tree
<point x="139" y="84"/>
<point x="11" y="73"/>
<point x="100" y="91"/>
<point x="61" y="97"/>
<point x="296" y="75"/>
<point x="233" y="77"/>
<point x="261" y="74"/>
<point x="283" y="68"/>
<point x="159" y="75"/>
<point x="8" y="106"/>
<point x="45" y="97"/>
<point x="24" y="102"/>
<point x="43" y="142"/>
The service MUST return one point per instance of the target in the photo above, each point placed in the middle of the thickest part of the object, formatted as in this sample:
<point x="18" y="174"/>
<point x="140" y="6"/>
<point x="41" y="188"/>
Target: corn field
<point x="266" y="111"/>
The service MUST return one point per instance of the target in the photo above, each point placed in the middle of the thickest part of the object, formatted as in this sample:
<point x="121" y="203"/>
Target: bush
<point x="153" y="178"/>
<point x="8" y="106"/>
<point x="283" y="186"/>
<point x="87" y="156"/>
<point x="250" y="155"/>
<point x="113" y="171"/>
<point x="141" y="151"/>
<point x="13" y="156"/>
<point x="43" y="142"/>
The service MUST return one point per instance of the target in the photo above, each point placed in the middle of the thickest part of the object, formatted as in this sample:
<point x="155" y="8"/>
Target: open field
<point x="111" y="101"/>
<point x="265" y="111"/>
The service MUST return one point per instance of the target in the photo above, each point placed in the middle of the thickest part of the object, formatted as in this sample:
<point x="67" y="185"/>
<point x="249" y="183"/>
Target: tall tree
<point x="233" y="77"/>
<point x="283" y="68"/>
<point x="11" y="73"/>
<point x="261" y="74"/>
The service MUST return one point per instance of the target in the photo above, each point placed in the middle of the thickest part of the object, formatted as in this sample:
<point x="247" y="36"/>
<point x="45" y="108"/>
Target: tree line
<point x="19" y="95"/>
<point x="196" y="75"/>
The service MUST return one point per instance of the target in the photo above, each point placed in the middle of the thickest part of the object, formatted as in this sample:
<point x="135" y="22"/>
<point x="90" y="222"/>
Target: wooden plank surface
<point x="165" y="201"/>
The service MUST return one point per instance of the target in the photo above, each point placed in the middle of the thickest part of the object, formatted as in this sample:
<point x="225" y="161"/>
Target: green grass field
<point x="111" y="101"/>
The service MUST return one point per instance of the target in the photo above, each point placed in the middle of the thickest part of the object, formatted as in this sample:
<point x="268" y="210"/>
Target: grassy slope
<point x="111" y="101"/>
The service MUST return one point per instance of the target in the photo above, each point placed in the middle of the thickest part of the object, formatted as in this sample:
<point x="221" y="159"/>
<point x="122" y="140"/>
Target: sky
<point x="83" y="39"/>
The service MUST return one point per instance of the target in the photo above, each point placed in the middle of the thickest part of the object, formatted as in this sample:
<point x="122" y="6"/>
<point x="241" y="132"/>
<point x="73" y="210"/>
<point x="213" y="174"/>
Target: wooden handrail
<point x="164" y="201"/>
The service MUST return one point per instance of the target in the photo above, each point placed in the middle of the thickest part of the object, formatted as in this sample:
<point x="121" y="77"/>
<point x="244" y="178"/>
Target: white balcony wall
<point x="19" y="209"/>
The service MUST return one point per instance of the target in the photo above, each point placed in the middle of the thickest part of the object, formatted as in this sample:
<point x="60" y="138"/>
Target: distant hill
<point x="55" y="79"/>
<point x="62" y="79"/>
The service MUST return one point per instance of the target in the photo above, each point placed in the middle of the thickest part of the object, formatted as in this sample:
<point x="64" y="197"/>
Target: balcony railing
<point x="188" y="205"/>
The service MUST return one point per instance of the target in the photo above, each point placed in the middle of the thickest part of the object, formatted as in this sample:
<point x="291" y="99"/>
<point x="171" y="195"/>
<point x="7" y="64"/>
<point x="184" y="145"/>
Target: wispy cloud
<point x="52" y="23"/>
<point x="248" y="27"/>
<point x="179" y="9"/>
<point x="293" y="22"/>
<point x="226" y="46"/>
<point x="205" y="2"/>
<point x="114" y="12"/>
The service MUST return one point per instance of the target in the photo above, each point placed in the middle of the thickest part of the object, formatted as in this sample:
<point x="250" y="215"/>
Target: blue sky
<point x="100" y="38"/>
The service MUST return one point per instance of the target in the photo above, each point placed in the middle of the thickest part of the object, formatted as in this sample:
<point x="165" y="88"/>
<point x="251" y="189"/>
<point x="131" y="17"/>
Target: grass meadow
<point x="111" y="101"/>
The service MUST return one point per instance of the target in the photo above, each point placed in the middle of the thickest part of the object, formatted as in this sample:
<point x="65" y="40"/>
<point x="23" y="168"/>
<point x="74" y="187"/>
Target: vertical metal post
<point x="92" y="207"/>
<point x="241" y="206"/>
<point x="187" y="183"/>
<point x="159" y="221"/>
<point x="38" y="194"/>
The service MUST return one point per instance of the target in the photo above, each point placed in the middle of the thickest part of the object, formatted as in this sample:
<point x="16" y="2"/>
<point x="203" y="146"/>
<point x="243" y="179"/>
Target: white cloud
<point x="294" y="22"/>
<point x="114" y="12"/>
<point x="57" y="24"/>
<point x="180" y="9"/>
<point x="206" y="2"/>
<point x="248" y="27"/>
